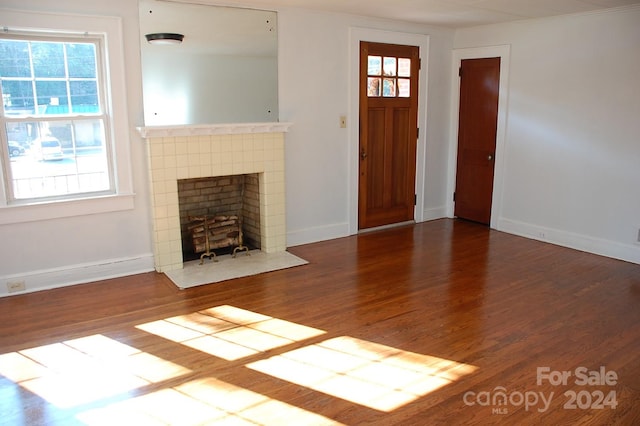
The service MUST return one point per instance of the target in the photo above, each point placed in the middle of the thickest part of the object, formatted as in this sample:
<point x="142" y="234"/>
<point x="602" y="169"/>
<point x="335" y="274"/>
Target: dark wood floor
<point x="444" y="322"/>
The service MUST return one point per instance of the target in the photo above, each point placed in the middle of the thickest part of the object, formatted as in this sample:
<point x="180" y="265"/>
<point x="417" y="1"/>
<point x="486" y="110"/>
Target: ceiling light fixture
<point x="164" y="38"/>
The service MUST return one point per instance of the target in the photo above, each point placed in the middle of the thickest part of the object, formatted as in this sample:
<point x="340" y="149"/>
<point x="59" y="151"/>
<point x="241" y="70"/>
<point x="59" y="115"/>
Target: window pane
<point x="60" y="158"/>
<point x="14" y="59"/>
<point x="17" y="97"/>
<point x="404" y="67"/>
<point x="48" y="60"/>
<point x="375" y="65"/>
<point x="52" y="97"/>
<point x="390" y="66"/>
<point x="20" y="134"/>
<point x="373" y="86"/>
<point x="53" y="158"/>
<point x="15" y="150"/>
<point x="404" y="87"/>
<point x="389" y="87"/>
<point x="81" y="60"/>
<point x="84" y="97"/>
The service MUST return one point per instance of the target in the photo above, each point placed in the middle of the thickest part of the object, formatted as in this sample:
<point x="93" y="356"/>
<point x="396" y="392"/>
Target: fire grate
<point x="214" y="232"/>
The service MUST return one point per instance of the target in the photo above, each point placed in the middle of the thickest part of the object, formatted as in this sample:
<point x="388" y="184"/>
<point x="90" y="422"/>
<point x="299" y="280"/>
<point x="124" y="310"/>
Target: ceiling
<point x="447" y="13"/>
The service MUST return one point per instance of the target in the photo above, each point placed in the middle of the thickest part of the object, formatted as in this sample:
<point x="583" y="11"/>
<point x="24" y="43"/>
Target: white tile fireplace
<point x="199" y="151"/>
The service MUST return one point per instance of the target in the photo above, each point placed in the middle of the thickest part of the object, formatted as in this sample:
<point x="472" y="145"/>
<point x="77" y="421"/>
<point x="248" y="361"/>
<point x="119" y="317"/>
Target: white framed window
<point x="64" y="140"/>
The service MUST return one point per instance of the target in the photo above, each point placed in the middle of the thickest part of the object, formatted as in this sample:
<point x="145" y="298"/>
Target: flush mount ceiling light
<point x="164" y="38"/>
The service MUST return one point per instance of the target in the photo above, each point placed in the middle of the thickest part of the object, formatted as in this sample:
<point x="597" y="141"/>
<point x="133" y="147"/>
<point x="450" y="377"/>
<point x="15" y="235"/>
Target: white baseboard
<point x="320" y="233"/>
<point x="113" y="268"/>
<point x="339" y="230"/>
<point x="613" y="249"/>
<point x="77" y="274"/>
<point x="434" y="213"/>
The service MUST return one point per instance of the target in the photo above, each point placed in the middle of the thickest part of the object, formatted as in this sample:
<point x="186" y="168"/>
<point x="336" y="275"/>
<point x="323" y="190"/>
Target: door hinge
<point x="454" y="196"/>
<point x="419" y="63"/>
<point x="418" y="133"/>
<point x="460" y="72"/>
<point x="415" y="199"/>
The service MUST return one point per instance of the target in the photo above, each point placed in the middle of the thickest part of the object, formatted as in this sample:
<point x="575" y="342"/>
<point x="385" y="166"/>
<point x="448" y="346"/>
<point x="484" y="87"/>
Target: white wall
<point x="572" y="152"/>
<point x="572" y="147"/>
<point x="313" y="92"/>
<point x="58" y="252"/>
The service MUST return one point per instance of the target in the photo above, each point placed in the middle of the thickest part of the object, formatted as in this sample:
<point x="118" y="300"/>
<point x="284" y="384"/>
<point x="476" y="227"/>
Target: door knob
<point x="363" y="154"/>
<point x="490" y="157"/>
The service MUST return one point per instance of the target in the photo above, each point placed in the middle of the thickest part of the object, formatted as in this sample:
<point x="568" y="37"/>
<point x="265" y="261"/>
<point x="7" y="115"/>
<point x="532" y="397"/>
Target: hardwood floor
<point x="445" y="322"/>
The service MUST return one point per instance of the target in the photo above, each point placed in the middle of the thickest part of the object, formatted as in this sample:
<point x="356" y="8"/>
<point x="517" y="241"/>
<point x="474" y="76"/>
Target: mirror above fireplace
<point x="224" y="71"/>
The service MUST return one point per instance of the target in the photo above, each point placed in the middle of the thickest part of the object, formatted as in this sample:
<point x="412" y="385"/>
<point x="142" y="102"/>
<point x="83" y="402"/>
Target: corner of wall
<point x="316" y="234"/>
<point x="434" y="213"/>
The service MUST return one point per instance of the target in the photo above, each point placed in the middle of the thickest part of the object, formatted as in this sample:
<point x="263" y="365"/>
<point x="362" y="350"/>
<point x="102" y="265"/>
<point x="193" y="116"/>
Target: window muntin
<point x="51" y="90"/>
<point x="388" y="76"/>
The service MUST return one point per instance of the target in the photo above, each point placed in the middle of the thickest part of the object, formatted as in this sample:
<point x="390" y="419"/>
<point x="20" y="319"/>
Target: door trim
<point x="503" y="52"/>
<point x="356" y="35"/>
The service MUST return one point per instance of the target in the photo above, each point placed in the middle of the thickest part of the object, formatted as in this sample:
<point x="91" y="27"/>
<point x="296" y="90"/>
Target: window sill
<point x="66" y="208"/>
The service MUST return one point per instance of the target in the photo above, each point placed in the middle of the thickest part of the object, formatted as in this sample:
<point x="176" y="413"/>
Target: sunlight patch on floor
<point x="228" y="332"/>
<point x="99" y="380"/>
<point x="203" y="401"/>
<point x="85" y="370"/>
<point x="366" y="373"/>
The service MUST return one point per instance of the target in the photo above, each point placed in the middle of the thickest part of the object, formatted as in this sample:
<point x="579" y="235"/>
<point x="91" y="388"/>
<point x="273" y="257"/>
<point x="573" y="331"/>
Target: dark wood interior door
<point x="388" y="133"/>
<point x="477" y="128"/>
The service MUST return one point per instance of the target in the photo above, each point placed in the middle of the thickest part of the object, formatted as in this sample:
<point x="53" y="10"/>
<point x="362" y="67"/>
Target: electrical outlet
<point x="14" y="286"/>
<point x="343" y="121"/>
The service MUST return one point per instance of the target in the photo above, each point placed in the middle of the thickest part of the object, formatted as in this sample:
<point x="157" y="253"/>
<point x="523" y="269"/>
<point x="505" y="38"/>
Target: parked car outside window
<point x="48" y="148"/>
<point x="15" y="149"/>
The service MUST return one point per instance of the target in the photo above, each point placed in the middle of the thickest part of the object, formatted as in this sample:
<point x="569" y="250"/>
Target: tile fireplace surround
<point x="199" y="151"/>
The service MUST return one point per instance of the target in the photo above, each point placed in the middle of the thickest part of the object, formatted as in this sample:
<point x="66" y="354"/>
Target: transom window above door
<point x="388" y="77"/>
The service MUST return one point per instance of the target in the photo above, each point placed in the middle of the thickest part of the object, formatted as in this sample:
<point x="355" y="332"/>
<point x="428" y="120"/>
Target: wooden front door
<point x="388" y="133"/>
<point x="477" y="127"/>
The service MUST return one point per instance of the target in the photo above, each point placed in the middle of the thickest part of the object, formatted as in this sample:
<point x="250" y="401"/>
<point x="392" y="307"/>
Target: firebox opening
<point x="236" y="195"/>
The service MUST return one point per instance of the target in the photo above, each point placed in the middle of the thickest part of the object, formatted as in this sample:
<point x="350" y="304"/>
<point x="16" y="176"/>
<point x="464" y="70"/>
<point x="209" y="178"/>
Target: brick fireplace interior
<point x="234" y="195"/>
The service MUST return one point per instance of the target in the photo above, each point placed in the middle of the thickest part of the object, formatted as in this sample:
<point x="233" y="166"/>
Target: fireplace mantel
<point x="212" y="129"/>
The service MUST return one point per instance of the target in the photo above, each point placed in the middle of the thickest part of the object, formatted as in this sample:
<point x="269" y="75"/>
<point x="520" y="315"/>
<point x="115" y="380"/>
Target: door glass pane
<point x="375" y="65"/>
<point x="404" y="67"/>
<point x="389" y="88"/>
<point x="373" y="86"/>
<point x="390" y="66"/>
<point x="404" y="87"/>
